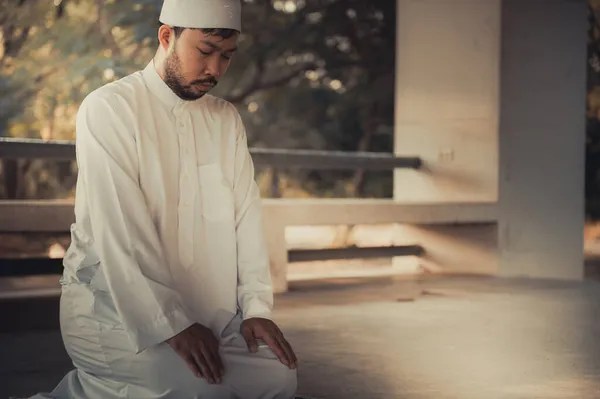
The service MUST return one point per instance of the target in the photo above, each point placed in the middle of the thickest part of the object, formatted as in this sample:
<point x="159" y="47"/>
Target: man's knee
<point x="282" y="381"/>
<point x="289" y="384"/>
<point x="184" y="385"/>
<point x="267" y="379"/>
<point x="159" y="371"/>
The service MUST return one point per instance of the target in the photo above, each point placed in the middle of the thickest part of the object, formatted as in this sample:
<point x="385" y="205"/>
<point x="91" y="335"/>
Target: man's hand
<point x="199" y="348"/>
<point x="258" y="328"/>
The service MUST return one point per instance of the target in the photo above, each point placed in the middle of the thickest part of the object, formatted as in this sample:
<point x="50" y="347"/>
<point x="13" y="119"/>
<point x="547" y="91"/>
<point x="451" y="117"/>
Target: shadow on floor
<point x="463" y="338"/>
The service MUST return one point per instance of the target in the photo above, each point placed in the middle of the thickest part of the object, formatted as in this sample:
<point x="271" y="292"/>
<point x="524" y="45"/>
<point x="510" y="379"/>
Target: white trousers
<point x="106" y="367"/>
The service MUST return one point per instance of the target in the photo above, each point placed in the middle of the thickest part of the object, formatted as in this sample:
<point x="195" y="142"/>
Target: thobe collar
<point x="160" y="89"/>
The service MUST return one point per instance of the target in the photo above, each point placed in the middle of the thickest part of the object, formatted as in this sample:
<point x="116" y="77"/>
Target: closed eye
<point x="208" y="53"/>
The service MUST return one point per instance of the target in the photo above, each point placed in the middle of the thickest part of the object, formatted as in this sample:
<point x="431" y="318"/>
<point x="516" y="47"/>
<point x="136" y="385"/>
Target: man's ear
<point x="166" y="37"/>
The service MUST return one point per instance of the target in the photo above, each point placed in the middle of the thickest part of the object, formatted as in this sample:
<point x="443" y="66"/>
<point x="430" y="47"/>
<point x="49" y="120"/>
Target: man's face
<point x="197" y="61"/>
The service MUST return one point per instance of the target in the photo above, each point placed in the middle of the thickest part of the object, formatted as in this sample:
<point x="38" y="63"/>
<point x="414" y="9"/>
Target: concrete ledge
<point x="57" y="216"/>
<point x="313" y="212"/>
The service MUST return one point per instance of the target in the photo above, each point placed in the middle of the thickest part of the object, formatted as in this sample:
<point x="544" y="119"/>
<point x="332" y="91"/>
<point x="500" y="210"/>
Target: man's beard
<point x="174" y="79"/>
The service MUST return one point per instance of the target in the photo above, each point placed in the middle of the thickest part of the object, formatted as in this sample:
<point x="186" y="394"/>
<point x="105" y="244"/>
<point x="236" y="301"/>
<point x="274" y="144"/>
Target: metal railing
<point x="279" y="158"/>
<point x="276" y="158"/>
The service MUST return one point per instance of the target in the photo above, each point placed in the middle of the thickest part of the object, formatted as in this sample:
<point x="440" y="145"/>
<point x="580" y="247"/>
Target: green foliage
<point x="320" y="77"/>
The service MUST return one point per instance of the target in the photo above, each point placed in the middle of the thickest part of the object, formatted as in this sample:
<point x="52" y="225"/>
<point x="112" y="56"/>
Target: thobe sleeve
<point x="124" y="235"/>
<point x="255" y="292"/>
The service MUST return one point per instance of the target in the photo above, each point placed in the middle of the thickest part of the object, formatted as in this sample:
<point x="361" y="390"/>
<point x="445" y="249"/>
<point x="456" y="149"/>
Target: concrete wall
<point x="481" y="88"/>
<point x="447" y="61"/>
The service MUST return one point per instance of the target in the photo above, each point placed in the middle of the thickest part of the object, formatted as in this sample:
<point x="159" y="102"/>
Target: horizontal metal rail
<point x="11" y="148"/>
<point x="60" y="150"/>
<point x="331" y="160"/>
<point x="309" y="255"/>
<point x="18" y="267"/>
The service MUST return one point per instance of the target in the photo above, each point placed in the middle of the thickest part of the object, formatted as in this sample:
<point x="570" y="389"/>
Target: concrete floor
<point x="480" y="338"/>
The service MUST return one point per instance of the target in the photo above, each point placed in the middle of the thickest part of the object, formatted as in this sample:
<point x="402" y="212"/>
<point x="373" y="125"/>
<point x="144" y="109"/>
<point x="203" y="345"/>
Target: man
<point x="166" y="291"/>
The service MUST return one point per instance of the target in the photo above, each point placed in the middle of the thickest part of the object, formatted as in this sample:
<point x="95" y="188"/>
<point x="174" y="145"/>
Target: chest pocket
<point x="215" y="193"/>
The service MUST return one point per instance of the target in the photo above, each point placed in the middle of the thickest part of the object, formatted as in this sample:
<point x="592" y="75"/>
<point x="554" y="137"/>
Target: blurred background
<point x="491" y="100"/>
<point x="310" y="74"/>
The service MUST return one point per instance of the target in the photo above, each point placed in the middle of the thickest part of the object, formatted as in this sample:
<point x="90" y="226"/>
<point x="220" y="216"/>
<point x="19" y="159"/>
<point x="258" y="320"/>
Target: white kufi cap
<point x="220" y="14"/>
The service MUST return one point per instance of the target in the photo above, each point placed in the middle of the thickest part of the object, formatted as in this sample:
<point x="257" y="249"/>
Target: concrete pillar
<point x="542" y="138"/>
<point x="447" y="81"/>
<point x="481" y="87"/>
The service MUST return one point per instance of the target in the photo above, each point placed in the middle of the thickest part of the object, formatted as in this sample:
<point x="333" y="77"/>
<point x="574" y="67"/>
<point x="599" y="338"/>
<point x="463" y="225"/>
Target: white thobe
<point x="168" y="232"/>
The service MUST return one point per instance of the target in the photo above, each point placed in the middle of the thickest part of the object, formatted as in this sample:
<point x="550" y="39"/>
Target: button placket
<point x="186" y="192"/>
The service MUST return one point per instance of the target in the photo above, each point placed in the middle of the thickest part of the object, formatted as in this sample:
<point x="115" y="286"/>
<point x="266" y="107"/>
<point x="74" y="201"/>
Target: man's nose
<point x="213" y="67"/>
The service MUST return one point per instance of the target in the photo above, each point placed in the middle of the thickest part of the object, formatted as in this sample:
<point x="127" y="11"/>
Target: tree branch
<point x="105" y="29"/>
<point x="14" y="42"/>
<point x="260" y="52"/>
<point x="258" y="85"/>
<point x="298" y="20"/>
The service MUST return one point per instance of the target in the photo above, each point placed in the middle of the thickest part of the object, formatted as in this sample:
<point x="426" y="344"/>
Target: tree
<point x="309" y="74"/>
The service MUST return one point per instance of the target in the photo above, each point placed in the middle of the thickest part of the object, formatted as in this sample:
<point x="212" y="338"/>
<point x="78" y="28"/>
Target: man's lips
<point x="205" y="85"/>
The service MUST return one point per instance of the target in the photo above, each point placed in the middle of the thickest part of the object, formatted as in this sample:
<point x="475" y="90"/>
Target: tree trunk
<point x="275" y="184"/>
<point x="10" y="168"/>
<point x="358" y="180"/>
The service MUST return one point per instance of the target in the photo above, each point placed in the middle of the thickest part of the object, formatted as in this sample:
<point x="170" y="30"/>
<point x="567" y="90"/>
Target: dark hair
<point x="220" y="32"/>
